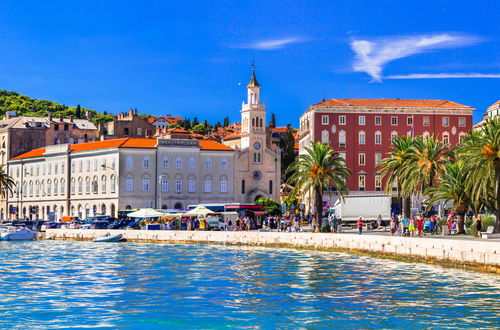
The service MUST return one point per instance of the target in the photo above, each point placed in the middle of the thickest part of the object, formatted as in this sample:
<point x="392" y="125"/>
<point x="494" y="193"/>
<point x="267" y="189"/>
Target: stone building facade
<point x="127" y="125"/>
<point x="257" y="159"/>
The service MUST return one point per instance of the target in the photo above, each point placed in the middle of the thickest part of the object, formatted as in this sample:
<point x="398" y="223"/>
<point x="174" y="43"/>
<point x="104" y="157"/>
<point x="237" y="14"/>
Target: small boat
<point x="11" y="233"/>
<point x="108" y="238"/>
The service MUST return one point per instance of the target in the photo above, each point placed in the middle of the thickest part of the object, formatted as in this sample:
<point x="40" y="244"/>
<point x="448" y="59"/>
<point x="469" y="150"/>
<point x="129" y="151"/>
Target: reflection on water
<point x="50" y="284"/>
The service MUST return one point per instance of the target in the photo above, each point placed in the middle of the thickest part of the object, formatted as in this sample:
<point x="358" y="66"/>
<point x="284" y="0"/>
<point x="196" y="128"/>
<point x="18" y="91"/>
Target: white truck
<point x="367" y="207"/>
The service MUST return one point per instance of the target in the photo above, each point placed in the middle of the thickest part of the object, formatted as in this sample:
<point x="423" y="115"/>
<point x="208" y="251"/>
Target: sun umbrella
<point x="145" y="213"/>
<point x="199" y="211"/>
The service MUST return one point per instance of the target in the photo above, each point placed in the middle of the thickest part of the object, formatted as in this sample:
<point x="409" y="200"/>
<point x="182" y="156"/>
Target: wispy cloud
<point x="371" y="56"/>
<point x="270" y="44"/>
<point x="444" y="75"/>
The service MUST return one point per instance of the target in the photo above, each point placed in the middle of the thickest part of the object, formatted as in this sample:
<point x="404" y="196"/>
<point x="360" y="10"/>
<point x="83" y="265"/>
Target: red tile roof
<point x="496" y="103"/>
<point x="120" y="143"/>
<point x="392" y="103"/>
<point x="213" y="145"/>
<point x="231" y="136"/>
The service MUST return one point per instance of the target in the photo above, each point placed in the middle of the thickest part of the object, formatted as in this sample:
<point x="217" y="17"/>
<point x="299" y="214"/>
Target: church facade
<point x="257" y="170"/>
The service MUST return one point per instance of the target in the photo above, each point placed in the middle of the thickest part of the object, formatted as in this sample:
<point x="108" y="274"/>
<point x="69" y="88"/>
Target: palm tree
<point x="394" y="169"/>
<point x="428" y="160"/>
<point x="452" y="186"/>
<point x="319" y="168"/>
<point x="480" y="153"/>
<point x="6" y="182"/>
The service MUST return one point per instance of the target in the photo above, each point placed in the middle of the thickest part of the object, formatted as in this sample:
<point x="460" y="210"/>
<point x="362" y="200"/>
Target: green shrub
<point x="488" y="220"/>
<point x="325" y="229"/>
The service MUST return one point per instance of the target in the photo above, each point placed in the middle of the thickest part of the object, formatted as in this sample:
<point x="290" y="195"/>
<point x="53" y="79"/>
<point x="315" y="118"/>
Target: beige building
<point x="126" y="125"/>
<point x="105" y="176"/>
<point x="258" y="161"/>
<point x="492" y="112"/>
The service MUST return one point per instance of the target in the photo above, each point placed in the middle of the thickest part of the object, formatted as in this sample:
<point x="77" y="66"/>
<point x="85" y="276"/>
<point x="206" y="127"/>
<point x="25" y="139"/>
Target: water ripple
<point x="50" y="284"/>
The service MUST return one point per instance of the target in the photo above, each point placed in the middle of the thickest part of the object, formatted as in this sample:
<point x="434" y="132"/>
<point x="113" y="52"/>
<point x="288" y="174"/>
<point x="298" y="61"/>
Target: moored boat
<point x="17" y="234"/>
<point x="108" y="238"/>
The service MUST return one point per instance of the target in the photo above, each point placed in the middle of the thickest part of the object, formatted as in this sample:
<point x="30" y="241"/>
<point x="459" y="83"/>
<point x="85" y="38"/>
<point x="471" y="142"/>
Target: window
<point x="96" y="165"/>
<point x="378" y="120"/>
<point x="243" y="186"/>
<point x="342" y="120"/>
<point x="49" y="168"/>
<point x="208" y="185"/>
<point x="446" y="139"/>
<point x="191" y="185"/>
<point x="178" y="185"/>
<point x="409" y="121"/>
<point x="342" y="155"/>
<point x="223" y="185"/>
<point x="145" y="184"/>
<point x="65" y="127"/>
<point x="223" y="164"/>
<point x="426" y="135"/>
<point x="49" y="188"/>
<point x="164" y="184"/>
<point x="125" y="131"/>
<point x="192" y="163"/>
<point x="95" y="185"/>
<point x="129" y="184"/>
<point x="87" y="185"/>
<point x="446" y="121"/>
<point x="461" y="122"/>
<point x="378" y="157"/>
<point x="325" y="137"/>
<point x="361" y="182"/>
<point x="165" y="162"/>
<point x="56" y="187"/>
<point x="80" y="186"/>
<point x="208" y="163"/>
<point x="73" y="186"/>
<point x="378" y="137"/>
<point x="270" y="187"/>
<point x="56" y="168"/>
<point x="113" y="163"/>
<point x="426" y="121"/>
<point x="103" y="164"/>
<point x="361" y="137"/>
<point x="461" y="137"/>
<point x="88" y="165"/>
<point x="56" y="127"/>
<point x="113" y="184"/>
<point x="361" y="158"/>
<point x="394" y="135"/>
<point x="80" y="166"/>
<point x="146" y="162"/>
<point x="103" y="184"/>
<point x="139" y="131"/>
<point x="361" y="120"/>
<point x="130" y="162"/>
<point x="178" y="162"/>
<point x="378" y="182"/>
<point x="342" y="138"/>
<point x="325" y="120"/>
<point x="62" y="168"/>
<point x="62" y="187"/>
<point x="394" y="121"/>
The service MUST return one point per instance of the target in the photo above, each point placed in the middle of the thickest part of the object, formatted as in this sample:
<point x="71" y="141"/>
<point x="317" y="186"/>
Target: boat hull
<point x="19" y="235"/>
<point x="114" y="238"/>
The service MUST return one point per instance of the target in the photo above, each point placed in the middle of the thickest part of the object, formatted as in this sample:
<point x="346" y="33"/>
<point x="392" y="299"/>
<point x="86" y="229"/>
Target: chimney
<point x="50" y="117"/>
<point x="61" y="117"/>
<point x="71" y="118"/>
<point x="131" y="112"/>
<point x="135" y="111"/>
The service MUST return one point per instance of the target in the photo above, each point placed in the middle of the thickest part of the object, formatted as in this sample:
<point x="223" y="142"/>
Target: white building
<point x="492" y="112"/>
<point x="258" y="160"/>
<point x="105" y="176"/>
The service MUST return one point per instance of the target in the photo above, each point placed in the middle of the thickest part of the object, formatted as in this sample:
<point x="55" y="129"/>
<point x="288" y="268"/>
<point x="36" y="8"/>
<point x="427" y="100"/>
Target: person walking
<point x="334" y="224"/>
<point x="479" y="225"/>
<point x="360" y="225"/>
<point x="420" y="226"/>
<point x="392" y="226"/>
<point x="450" y="223"/>
<point x="379" y="221"/>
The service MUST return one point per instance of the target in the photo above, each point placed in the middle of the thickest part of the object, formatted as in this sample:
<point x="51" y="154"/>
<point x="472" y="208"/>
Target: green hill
<point x="26" y="106"/>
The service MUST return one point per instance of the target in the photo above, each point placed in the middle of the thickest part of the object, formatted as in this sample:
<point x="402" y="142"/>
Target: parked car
<point x="134" y="225"/>
<point x="99" y="225"/>
<point x="85" y="225"/>
<point x="119" y="224"/>
<point x="49" y="225"/>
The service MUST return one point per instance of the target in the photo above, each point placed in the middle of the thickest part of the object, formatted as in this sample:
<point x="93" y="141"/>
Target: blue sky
<point x="192" y="58"/>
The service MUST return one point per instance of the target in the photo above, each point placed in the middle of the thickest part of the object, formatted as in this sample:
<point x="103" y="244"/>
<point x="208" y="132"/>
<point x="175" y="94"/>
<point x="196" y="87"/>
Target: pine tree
<point x="195" y="121"/>
<point x="226" y="121"/>
<point x="78" y="112"/>
<point x="272" y="122"/>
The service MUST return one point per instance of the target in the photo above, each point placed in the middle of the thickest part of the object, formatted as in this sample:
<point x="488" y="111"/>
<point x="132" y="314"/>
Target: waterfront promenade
<point x="457" y="251"/>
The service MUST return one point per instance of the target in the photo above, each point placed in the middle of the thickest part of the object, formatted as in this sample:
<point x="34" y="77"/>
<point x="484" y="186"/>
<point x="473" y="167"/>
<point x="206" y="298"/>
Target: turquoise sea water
<point x="57" y="284"/>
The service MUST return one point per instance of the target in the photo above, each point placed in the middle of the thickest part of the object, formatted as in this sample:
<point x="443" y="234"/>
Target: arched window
<point x="130" y="162"/>
<point x="253" y="122"/>
<point x="192" y="163"/>
<point x="446" y="139"/>
<point x="80" y="186"/>
<point x="49" y="187"/>
<point x="87" y="185"/>
<point x="165" y="162"/>
<point x="164" y="183"/>
<point x="178" y="162"/>
<point x="56" y="187"/>
<point x="72" y="186"/>
<point x="242" y="186"/>
<point x="88" y="165"/>
<point x="62" y="187"/>
<point x="37" y="188"/>
<point x="95" y="185"/>
<point x="146" y="162"/>
<point x="361" y="137"/>
<point x="378" y="137"/>
<point x="208" y="163"/>
<point x="261" y="125"/>
<point x="103" y="184"/>
<point x="42" y="188"/>
<point x="80" y="166"/>
<point x="113" y="183"/>
<point x="270" y="187"/>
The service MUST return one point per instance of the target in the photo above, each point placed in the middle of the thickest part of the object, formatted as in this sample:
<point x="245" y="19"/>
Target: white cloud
<point x="270" y="44"/>
<point x="444" y="75"/>
<point x="371" y="56"/>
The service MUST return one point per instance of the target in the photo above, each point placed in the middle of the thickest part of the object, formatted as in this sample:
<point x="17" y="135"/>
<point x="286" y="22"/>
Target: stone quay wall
<point x="455" y="251"/>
